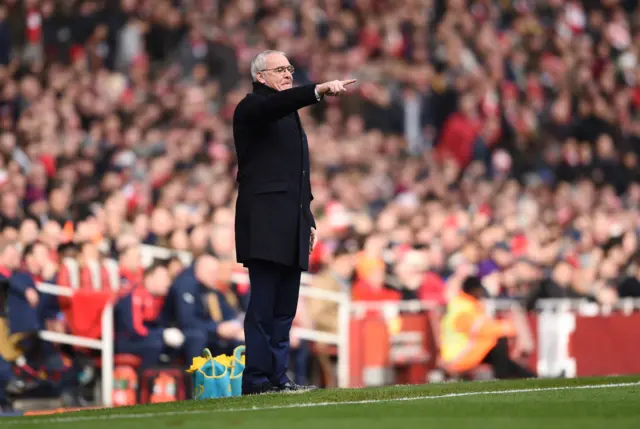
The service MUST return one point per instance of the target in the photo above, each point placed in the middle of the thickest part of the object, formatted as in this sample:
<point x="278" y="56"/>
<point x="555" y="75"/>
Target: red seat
<point x="122" y="359"/>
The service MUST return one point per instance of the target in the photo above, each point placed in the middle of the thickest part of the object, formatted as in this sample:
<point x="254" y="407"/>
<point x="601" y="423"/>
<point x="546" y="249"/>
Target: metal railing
<point x="104" y="344"/>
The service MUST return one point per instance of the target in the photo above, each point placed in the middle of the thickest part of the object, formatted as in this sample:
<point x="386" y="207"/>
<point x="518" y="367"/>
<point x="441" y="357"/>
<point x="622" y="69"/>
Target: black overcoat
<point x="273" y="217"/>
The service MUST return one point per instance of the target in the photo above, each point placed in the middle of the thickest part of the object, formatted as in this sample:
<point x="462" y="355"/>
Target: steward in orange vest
<point x="470" y="337"/>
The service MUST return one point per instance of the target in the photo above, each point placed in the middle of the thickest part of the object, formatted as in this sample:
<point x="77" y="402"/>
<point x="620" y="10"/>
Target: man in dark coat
<point x="275" y="229"/>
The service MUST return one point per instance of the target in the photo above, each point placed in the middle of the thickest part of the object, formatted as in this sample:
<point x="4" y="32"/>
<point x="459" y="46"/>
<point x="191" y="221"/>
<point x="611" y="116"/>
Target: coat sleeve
<point x="481" y="326"/>
<point x="258" y="109"/>
<point x="20" y="282"/>
<point x="126" y="319"/>
<point x="312" y="219"/>
<point x="186" y="302"/>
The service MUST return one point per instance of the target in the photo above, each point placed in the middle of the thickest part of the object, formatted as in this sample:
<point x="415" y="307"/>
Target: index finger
<point x="348" y="82"/>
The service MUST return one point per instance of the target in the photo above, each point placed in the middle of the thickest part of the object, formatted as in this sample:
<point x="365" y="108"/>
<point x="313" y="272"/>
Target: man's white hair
<point x="259" y="63"/>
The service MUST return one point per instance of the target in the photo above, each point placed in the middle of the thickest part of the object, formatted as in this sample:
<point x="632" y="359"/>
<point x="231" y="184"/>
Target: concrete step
<point x="26" y="404"/>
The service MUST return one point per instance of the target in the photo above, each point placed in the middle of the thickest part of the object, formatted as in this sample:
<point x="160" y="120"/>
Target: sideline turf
<point x="609" y="408"/>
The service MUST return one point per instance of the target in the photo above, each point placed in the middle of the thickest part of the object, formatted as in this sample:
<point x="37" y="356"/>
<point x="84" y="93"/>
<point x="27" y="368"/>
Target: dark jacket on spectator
<point x="194" y="307"/>
<point x="22" y="317"/>
<point x="138" y="314"/>
<point x="550" y="289"/>
<point x="5" y="43"/>
<point x="273" y="214"/>
<point x="629" y="287"/>
<point x="5" y="275"/>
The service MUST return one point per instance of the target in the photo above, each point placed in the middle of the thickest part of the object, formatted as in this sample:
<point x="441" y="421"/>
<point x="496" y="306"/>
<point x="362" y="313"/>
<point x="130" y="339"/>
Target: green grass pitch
<point x="587" y="403"/>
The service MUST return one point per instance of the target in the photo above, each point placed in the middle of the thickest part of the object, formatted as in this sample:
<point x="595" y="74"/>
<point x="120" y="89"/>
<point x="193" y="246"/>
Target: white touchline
<point x="72" y="419"/>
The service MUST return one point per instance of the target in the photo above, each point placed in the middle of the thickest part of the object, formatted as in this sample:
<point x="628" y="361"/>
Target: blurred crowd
<point x="492" y="138"/>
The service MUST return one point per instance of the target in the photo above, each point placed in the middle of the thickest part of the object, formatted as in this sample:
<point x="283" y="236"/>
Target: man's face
<point x="59" y="200"/>
<point x="132" y="258"/>
<point x="28" y="231"/>
<point x="10" y="205"/>
<point x="37" y="259"/>
<point x="52" y="234"/>
<point x="277" y="74"/>
<point x="10" y="258"/>
<point x="345" y="264"/>
<point x="161" y="222"/>
<point x="158" y="282"/>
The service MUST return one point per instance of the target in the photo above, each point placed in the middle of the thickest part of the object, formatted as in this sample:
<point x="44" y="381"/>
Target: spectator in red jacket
<point x="93" y="274"/>
<point x="460" y="132"/>
<point x="370" y="285"/>
<point x="140" y="325"/>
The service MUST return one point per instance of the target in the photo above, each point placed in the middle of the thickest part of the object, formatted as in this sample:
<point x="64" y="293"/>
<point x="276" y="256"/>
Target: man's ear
<point x="260" y="79"/>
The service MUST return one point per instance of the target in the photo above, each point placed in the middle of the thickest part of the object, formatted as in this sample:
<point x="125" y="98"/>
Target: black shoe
<point x="258" y="389"/>
<point x="18" y="386"/>
<point x="290" y="387"/>
<point x="5" y="406"/>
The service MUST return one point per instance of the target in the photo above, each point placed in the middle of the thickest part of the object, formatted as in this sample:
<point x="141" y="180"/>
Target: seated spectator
<point x="93" y="274"/>
<point x="417" y="282"/>
<point x="370" y="285"/>
<point x="202" y="312"/>
<point x="630" y="286"/>
<point x="23" y="298"/>
<point x="336" y="277"/>
<point x="140" y="328"/>
<point x="469" y="338"/>
<point x="232" y="284"/>
<point x="51" y="236"/>
<point x="86" y="271"/>
<point x="26" y="311"/>
<point x="558" y="285"/>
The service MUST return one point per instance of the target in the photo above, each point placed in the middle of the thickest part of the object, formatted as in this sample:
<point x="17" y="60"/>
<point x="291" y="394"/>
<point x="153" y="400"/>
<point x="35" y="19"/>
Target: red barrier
<point x="378" y="345"/>
<point x="606" y="345"/>
<point x="412" y="348"/>
<point x="565" y="343"/>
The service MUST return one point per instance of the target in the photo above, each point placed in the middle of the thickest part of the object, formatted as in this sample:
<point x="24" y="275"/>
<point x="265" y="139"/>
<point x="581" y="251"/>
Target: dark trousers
<point x="503" y="366"/>
<point x="6" y="374"/>
<point x="195" y="341"/>
<point x="148" y="348"/>
<point x="272" y="307"/>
